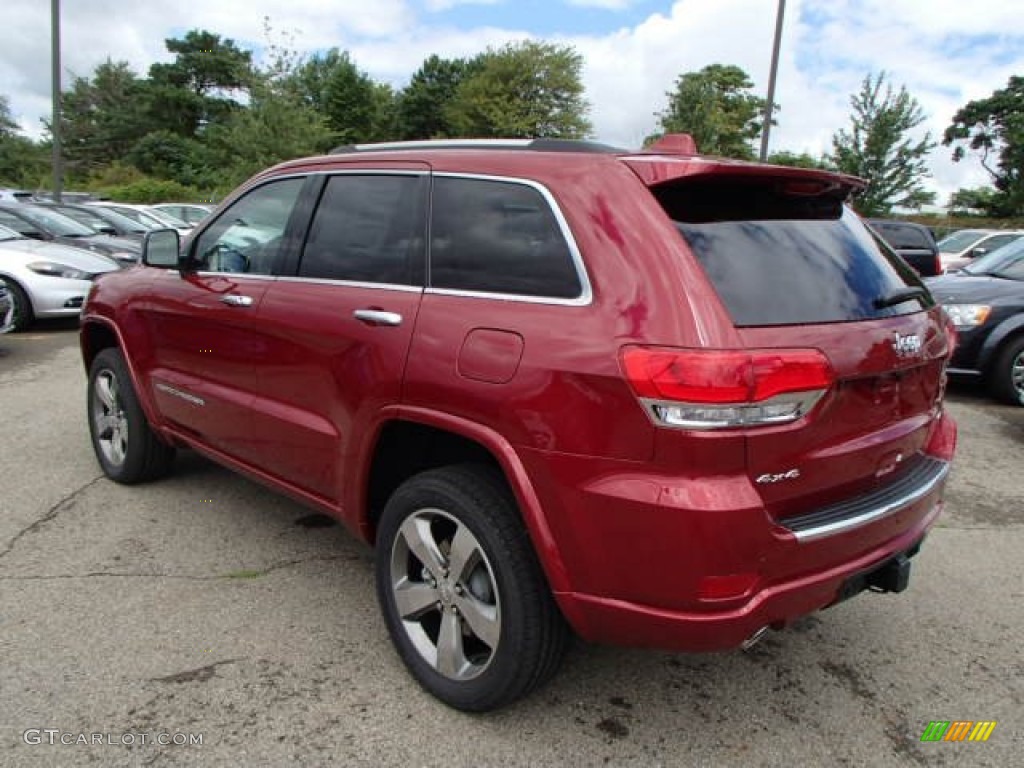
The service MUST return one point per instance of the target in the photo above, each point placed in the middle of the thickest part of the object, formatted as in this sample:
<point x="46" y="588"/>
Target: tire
<point x="517" y="636"/>
<point x="127" y="448"/>
<point x="1006" y="377"/>
<point x="23" y="314"/>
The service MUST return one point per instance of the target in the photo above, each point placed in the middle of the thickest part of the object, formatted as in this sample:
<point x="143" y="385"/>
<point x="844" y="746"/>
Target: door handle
<point x="235" y="300"/>
<point x="378" y="317"/>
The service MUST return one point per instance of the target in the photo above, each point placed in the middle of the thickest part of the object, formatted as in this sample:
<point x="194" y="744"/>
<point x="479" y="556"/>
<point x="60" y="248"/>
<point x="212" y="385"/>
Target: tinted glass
<point x="19" y="225"/>
<point x="367" y="229"/>
<point x="498" y="237"/>
<point x="782" y="259"/>
<point x="903" y="235"/>
<point x="55" y="223"/>
<point x="247" y="236"/>
<point x="959" y="240"/>
<point x="998" y="241"/>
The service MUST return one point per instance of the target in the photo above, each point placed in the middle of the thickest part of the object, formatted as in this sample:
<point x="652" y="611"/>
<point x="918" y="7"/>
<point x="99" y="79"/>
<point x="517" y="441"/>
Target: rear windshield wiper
<point x="899" y="296"/>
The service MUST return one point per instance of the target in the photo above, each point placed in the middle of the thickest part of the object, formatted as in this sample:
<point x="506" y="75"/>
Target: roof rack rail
<point x="535" y="145"/>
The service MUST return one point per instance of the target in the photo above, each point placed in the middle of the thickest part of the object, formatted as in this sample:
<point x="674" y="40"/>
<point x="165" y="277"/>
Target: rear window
<point x="787" y="252"/>
<point x="903" y="236"/>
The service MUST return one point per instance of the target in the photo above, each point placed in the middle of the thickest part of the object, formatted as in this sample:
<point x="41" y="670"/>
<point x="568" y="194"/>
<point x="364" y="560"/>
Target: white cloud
<point x="609" y="5"/>
<point x="435" y="6"/>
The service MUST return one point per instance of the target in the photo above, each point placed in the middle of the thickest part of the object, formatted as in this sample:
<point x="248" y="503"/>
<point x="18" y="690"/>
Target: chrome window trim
<point x="402" y="287"/>
<point x="874" y="515"/>
<point x="586" y="296"/>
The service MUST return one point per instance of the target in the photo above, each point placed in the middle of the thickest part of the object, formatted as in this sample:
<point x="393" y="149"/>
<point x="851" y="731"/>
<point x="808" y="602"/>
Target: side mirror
<point x="976" y="252"/>
<point x="160" y="248"/>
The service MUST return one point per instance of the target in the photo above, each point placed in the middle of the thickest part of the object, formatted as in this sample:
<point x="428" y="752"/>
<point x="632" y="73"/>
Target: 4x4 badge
<point x="905" y="346"/>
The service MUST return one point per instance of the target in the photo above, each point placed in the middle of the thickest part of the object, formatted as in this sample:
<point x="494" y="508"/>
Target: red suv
<point x="653" y="398"/>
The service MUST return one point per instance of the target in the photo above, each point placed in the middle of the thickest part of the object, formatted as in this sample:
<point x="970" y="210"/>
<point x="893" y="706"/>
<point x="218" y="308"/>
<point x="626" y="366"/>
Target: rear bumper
<point x="698" y="564"/>
<point x="619" y="622"/>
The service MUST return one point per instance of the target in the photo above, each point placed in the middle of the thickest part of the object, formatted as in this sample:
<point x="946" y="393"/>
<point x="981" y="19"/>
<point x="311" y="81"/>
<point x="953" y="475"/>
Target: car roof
<point x="672" y="157"/>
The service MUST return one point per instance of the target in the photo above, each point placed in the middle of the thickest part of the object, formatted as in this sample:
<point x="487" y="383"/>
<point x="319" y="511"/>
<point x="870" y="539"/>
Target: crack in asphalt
<point x="66" y="503"/>
<point x="249" y="575"/>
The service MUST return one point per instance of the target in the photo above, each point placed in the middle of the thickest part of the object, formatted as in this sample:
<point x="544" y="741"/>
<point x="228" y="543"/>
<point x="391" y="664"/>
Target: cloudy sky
<point x="946" y="52"/>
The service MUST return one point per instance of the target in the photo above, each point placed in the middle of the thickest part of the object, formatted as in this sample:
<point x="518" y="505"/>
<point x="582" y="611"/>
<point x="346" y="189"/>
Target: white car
<point x="146" y="216"/>
<point x="190" y="213"/>
<point x="46" y="280"/>
<point x="957" y="250"/>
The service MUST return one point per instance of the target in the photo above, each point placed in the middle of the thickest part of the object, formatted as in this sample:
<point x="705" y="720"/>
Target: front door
<point x="203" y="322"/>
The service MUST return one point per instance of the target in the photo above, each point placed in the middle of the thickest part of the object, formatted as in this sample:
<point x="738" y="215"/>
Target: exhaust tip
<point x="755" y="638"/>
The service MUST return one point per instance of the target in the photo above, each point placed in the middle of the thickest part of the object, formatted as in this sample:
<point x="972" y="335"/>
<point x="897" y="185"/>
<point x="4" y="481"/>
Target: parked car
<point x="102" y="220"/>
<point x="957" y="250"/>
<point x="46" y="280"/>
<point x="15" y="195"/>
<point x="144" y="215"/>
<point x="42" y="223"/>
<point x="190" y="213"/>
<point x="662" y="399"/>
<point x="985" y="301"/>
<point x="913" y="242"/>
<point x="6" y="309"/>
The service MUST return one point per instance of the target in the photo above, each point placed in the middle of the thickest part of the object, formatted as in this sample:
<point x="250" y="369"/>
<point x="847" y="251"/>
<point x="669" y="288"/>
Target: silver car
<point x="6" y="309"/>
<point x="45" y="280"/>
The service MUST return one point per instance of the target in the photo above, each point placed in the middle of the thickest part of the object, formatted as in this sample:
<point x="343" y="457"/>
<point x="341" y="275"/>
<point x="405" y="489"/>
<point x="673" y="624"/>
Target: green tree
<point x="102" y="117"/>
<point x="717" y="108"/>
<point x="967" y="202"/>
<point x="201" y="86"/>
<point x="280" y="122"/>
<point x="22" y="161"/>
<point x="800" y="160"/>
<point x="878" y="149"/>
<point x="993" y="129"/>
<point x="422" y="106"/>
<point x="333" y="85"/>
<point x="523" y="90"/>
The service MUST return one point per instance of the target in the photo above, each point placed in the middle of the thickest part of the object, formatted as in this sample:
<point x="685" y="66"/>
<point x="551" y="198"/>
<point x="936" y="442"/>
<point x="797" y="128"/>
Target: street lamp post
<point x="770" y="105"/>
<point x="58" y="175"/>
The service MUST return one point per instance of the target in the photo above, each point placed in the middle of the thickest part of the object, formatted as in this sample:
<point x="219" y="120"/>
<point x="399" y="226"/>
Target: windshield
<point x="993" y="262"/>
<point x="959" y="241"/>
<point x="55" y="223"/>
<point x="103" y="219"/>
<point x="168" y="219"/>
<point x="6" y="233"/>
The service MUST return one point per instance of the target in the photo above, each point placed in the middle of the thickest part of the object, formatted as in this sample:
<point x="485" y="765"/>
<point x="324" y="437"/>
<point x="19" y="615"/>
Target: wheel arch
<point x="1003" y="334"/>
<point x="98" y="333"/>
<point x="409" y="440"/>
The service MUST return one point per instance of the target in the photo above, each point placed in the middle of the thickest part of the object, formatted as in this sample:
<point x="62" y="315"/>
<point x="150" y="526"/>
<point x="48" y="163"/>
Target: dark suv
<point x="913" y="242"/>
<point x="654" y="398"/>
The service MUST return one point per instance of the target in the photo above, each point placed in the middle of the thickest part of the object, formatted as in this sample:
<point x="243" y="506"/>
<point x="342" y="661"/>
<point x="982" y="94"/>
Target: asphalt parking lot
<point x="206" y="605"/>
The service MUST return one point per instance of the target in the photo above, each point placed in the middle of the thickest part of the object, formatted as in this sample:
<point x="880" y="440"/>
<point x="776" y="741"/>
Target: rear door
<point x="797" y="271"/>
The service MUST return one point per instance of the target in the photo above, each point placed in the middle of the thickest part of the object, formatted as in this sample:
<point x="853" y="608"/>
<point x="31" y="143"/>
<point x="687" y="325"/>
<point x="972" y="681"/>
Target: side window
<point x="18" y="225"/>
<point x="247" y="236"/>
<point x="498" y="237"/>
<point x="367" y="229"/>
<point x="997" y="242"/>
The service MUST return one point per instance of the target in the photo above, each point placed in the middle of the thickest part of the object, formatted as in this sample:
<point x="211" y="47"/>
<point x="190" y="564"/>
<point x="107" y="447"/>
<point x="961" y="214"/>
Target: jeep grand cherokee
<point x="652" y="398"/>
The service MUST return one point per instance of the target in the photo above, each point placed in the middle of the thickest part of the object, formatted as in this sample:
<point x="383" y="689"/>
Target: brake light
<point x="714" y="389"/>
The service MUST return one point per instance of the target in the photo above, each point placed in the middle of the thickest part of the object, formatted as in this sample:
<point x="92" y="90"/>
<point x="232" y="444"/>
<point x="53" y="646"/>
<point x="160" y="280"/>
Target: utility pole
<point x="770" y="105"/>
<point x="58" y="171"/>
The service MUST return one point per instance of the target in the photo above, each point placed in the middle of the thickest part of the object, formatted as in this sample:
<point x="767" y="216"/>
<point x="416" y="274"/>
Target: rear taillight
<point x="718" y="389"/>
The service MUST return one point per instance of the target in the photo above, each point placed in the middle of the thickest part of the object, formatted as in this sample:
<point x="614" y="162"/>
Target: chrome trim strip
<point x="876" y="514"/>
<point x="442" y="143"/>
<point x="352" y="283"/>
<point x="808" y="399"/>
<point x="178" y="393"/>
<point x="963" y="372"/>
<point x="586" y="291"/>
